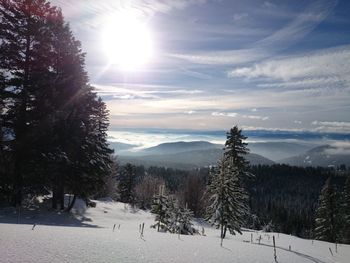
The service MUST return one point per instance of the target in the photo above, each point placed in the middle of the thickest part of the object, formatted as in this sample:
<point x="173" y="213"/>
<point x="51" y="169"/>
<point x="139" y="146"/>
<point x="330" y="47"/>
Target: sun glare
<point x="127" y="42"/>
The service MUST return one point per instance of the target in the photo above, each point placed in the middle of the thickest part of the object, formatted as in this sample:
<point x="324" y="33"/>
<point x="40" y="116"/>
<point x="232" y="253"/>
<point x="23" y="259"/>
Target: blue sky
<point x="271" y="65"/>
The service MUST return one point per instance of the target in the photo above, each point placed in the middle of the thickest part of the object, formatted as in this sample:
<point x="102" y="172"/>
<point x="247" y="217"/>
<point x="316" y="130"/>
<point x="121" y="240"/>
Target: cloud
<point x="237" y="17"/>
<point x="332" y="126"/>
<point x="299" y="27"/>
<point x="268" y="4"/>
<point x="298" y="122"/>
<point x="255" y="117"/>
<point x="224" y="114"/>
<point x="92" y="12"/>
<point x="234" y="114"/>
<point x="339" y="147"/>
<point x="324" y="66"/>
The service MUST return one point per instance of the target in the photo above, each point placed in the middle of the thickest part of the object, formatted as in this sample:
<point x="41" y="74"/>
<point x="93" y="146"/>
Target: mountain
<point x="189" y="159"/>
<point x="277" y="150"/>
<point x="178" y="147"/>
<point x="326" y="155"/>
<point x="120" y="147"/>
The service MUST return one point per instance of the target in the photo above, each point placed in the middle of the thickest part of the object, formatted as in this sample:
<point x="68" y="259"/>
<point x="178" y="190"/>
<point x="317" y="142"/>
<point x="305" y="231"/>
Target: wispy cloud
<point x="235" y="114"/>
<point x="224" y="114"/>
<point x="92" y="12"/>
<point x="240" y="16"/>
<point x="299" y="27"/>
<point x="332" y="126"/>
<point x="324" y="66"/>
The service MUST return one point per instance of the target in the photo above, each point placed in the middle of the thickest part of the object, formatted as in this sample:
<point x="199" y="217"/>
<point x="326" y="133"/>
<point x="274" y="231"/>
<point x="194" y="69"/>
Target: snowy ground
<point x="89" y="237"/>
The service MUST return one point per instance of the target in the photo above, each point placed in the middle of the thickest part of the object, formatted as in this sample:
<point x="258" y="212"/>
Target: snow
<point x="88" y="237"/>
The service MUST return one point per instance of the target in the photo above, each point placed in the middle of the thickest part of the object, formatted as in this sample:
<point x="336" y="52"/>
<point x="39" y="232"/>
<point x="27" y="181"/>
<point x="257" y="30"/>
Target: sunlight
<point x="128" y="42"/>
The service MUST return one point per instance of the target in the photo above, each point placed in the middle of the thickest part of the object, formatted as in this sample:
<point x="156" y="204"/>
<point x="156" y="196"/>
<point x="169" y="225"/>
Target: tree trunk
<point x="61" y="194"/>
<point x="71" y="204"/>
<point x="54" y="197"/>
<point x="225" y="229"/>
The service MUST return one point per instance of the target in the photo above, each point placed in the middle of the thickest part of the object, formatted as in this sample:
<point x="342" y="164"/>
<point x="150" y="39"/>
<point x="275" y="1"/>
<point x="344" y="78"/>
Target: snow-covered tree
<point x="185" y="225"/>
<point x="326" y="225"/>
<point x="236" y="149"/>
<point x="227" y="198"/>
<point x="161" y="210"/>
<point x="345" y="212"/>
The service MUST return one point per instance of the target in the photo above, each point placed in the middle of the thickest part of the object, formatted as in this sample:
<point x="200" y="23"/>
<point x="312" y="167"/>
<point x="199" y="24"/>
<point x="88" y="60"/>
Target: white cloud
<point x="298" y="122"/>
<point x="332" y="126"/>
<point x="325" y="66"/>
<point x="234" y="114"/>
<point x="339" y="147"/>
<point x="225" y="114"/>
<point x="255" y="117"/>
<point x="300" y="26"/>
<point x="92" y="12"/>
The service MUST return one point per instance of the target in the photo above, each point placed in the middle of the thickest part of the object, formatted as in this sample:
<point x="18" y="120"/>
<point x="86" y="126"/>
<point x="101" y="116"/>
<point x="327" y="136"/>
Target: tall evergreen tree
<point x="227" y="199"/>
<point x="24" y="40"/>
<point x="55" y="121"/>
<point x="236" y="149"/>
<point x="345" y="212"/>
<point x="326" y="223"/>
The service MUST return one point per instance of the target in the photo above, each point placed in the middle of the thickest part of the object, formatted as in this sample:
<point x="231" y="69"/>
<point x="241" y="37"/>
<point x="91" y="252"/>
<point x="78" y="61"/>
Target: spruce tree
<point x="236" y="149"/>
<point x="345" y="212"/>
<point x="55" y="121"/>
<point x="160" y="208"/>
<point x="227" y="199"/>
<point x="326" y="225"/>
<point x="24" y="42"/>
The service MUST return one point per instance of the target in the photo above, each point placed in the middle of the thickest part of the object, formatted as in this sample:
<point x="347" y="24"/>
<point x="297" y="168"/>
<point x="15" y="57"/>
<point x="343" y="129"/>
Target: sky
<point x="263" y="65"/>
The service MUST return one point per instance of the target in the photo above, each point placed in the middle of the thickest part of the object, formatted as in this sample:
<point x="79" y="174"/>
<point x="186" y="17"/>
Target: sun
<point x="127" y="42"/>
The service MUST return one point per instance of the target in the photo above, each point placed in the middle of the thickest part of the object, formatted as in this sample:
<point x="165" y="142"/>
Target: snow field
<point x="95" y="241"/>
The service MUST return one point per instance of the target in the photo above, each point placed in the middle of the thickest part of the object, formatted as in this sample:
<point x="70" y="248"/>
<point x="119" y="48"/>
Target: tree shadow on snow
<point x="43" y="216"/>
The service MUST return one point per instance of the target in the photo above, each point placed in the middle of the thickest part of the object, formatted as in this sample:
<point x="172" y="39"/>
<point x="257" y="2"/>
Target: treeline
<point x="282" y="198"/>
<point x="52" y="124"/>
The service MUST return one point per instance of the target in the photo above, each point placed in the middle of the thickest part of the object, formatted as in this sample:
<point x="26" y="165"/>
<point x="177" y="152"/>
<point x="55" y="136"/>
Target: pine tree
<point x="236" y="149"/>
<point x="227" y="199"/>
<point x="326" y="225"/>
<point x="24" y="40"/>
<point x="55" y="119"/>
<point x="161" y="210"/>
<point x="185" y="225"/>
<point x="345" y="212"/>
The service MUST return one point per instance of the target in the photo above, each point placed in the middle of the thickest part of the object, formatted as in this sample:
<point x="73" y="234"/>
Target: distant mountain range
<point x="189" y="155"/>
<point x="182" y="155"/>
<point x="325" y="155"/>
<point x="276" y="150"/>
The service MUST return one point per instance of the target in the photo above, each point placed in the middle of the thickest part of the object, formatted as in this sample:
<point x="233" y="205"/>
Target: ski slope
<point x="88" y="237"/>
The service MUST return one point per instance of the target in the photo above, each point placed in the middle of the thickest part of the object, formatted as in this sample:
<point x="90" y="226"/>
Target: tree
<point x="55" y="124"/>
<point x="127" y="183"/>
<point x="192" y="194"/>
<point x="345" y="212"/>
<point x="236" y="149"/>
<point x="326" y="223"/>
<point x="161" y="210"/>
<point x="146" y="189"/>
<point x="227" y="199"/>
<point x="24" y="42"/>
